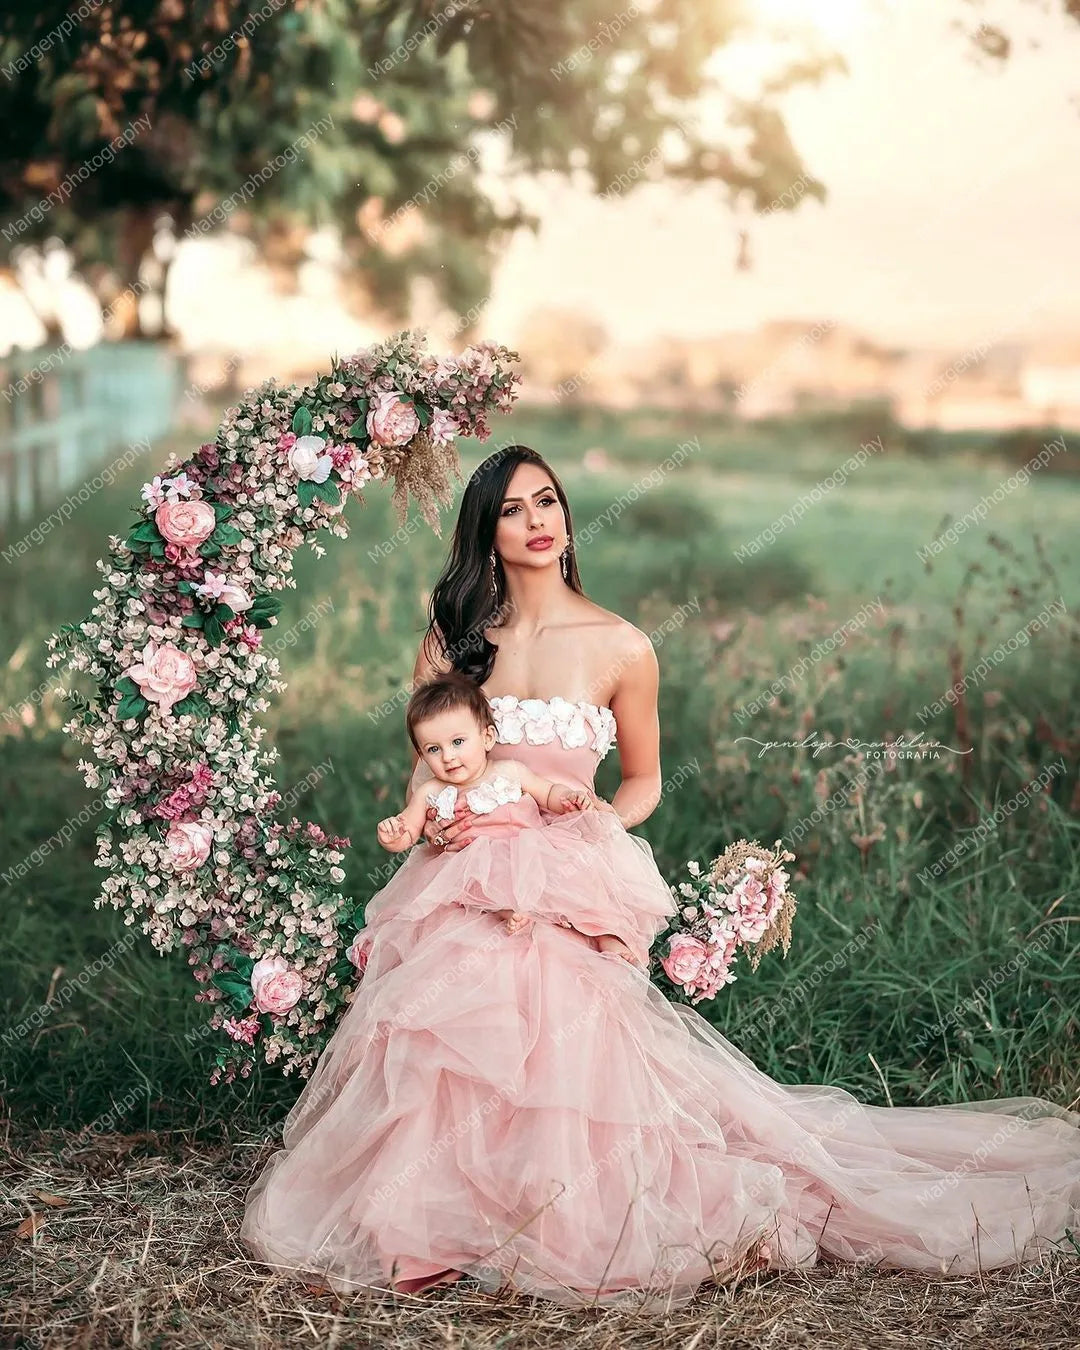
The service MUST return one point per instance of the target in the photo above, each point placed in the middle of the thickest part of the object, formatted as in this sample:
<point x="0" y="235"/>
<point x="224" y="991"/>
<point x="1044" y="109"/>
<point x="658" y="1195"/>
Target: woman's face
<point x="530" y="513"/>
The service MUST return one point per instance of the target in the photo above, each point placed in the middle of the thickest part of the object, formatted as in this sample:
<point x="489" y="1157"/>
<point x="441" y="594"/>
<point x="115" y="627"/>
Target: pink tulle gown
<point x="533" y="1112"/>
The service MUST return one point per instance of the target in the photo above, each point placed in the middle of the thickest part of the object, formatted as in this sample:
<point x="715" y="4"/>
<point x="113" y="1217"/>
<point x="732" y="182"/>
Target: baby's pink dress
<point x="525" y="1108"/>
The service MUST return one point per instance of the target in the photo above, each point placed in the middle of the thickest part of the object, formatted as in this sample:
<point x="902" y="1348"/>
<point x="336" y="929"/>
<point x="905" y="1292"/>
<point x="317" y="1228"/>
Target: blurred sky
<point x="953" y="207"/>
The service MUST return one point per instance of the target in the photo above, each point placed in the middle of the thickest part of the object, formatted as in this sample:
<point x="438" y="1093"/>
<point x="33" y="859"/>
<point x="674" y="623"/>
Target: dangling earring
<point x="494" y="584"/>
<point x="566" y="562"/>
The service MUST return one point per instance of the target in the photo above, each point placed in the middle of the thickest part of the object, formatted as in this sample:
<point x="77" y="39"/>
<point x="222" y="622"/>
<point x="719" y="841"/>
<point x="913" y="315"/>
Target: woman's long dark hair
<point x="462" y="604"/>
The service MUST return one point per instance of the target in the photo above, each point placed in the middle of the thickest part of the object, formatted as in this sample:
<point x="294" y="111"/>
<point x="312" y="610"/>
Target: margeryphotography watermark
<point x="986" y="827"/>
<point x="56" y="196"/>
<point x="238" y="39"/>
<point x="976" y="514"/>
<point x="823" y="647"/>
<point x="1056" y="609"/>
<point x="806" y="500"/>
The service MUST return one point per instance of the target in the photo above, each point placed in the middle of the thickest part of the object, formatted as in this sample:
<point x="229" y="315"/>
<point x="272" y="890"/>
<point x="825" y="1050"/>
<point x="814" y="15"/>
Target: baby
<point x="452" y="729"/>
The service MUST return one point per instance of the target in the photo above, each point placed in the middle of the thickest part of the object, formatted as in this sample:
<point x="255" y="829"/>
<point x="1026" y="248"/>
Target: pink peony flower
<point x="359" y="951"/>
<point x="390" y="420"/>
<point x="684" y="960"/>
<point x="165" y="674"/>
<point x="188" y="843"/>
<point x="185" y="523"/>
<point x="274" y="986"/>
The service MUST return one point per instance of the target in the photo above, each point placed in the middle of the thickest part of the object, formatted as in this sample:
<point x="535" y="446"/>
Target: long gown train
<point x="531" y="1111"/>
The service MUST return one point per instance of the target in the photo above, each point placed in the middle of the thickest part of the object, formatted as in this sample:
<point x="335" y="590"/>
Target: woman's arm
<point x="634" y="704"/>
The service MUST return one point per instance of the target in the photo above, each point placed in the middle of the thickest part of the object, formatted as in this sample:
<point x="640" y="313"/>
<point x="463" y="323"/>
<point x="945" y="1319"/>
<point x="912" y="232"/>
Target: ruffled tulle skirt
<point x="527" y="1109"/>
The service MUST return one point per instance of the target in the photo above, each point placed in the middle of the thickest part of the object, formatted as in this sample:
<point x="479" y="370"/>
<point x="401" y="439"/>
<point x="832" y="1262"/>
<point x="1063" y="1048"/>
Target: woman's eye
<point x="544" y="501"/>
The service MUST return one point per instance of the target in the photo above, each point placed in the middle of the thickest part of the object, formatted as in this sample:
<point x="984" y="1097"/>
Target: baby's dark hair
<point x="442" y="694"/>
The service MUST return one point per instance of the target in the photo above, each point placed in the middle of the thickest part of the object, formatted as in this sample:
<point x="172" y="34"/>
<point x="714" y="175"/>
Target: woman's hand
<point x="453" y="832"/>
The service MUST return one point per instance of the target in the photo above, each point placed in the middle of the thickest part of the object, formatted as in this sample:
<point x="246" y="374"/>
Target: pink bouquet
<point x="742" y="901"/>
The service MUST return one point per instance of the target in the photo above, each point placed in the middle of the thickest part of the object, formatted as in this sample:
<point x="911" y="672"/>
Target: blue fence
<point x="62" y="415"/>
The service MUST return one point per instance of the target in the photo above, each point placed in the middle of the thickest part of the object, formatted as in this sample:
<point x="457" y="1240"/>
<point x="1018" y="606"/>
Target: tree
<point x="122" y="113"/>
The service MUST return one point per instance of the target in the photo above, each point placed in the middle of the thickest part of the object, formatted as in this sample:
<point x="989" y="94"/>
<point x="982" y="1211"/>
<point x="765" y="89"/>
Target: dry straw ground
<point x="129" y="1240"/>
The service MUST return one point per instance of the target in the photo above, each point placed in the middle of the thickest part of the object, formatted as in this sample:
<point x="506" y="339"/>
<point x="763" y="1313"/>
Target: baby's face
<point x="453" y="746"/>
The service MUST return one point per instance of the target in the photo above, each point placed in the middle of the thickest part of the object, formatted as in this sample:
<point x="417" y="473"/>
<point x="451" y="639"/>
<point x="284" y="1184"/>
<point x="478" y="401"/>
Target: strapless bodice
<point x="540" y="721"/>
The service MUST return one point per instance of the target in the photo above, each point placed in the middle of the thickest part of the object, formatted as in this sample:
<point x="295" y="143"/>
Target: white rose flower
<point x="307" y="460"/>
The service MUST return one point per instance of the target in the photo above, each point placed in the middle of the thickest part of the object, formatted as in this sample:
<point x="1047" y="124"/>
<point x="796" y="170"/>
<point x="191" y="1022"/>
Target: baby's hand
<point x="565" y="799"/>
<point x="392" y="834"/>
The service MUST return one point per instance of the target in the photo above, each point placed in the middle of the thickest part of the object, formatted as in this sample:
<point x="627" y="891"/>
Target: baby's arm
<point x="397" y="833"/>
<point x="554" y="797"/>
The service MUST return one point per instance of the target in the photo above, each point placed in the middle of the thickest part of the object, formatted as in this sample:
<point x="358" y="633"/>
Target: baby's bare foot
<point x="515" y="921"/>
<point x="609" y="943"/>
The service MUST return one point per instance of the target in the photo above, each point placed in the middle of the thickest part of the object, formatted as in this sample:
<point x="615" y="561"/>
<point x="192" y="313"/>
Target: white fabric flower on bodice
<point x="540" y="720"/>
<point x="483" y="798"/>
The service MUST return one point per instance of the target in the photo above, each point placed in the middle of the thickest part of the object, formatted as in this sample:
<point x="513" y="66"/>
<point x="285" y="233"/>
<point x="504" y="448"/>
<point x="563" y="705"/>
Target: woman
<point x="521" y="1103"/>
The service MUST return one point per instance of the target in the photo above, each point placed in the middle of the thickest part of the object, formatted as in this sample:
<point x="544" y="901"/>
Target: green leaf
<point x="223" y="612"/>
<point x="184" y="587"/>
<point x="194" y="620"/>
<point x="358" y="431"/>
<point x="301" y="422"/>
<point x="213" y="631"/>
<point x="222" y="510"/>
<point x="157" y="550"/>
<point x="328" y="492"/>
<point x="243" y="963"/>
<point x="424" y="413"/>
<point x="194" y="704"/>
<point x="237" y="988"/>
<point x="208" y="549"/>
<point x="227" y="534"/>
<point x="344" y="969"/>
<point x="147" y="532"/>
<point x="126" y="685"/>
<point x="264" y="607"/>
<point x="133" y="705"/>
<point x="305" y="491"/>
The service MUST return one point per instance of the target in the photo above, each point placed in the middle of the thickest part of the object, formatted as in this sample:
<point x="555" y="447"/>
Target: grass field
<point x="961" y="978"/>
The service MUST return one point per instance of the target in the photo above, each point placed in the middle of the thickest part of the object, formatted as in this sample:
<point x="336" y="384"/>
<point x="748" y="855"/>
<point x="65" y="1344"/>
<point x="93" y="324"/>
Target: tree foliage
<point x="411" y="88"/>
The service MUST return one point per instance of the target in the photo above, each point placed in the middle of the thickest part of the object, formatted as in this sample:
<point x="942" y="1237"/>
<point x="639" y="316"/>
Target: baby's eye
<point x="458" y="740"/>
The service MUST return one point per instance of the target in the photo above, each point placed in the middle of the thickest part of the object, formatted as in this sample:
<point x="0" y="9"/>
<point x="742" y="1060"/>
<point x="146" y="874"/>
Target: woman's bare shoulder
<point x="618" y="633"/>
